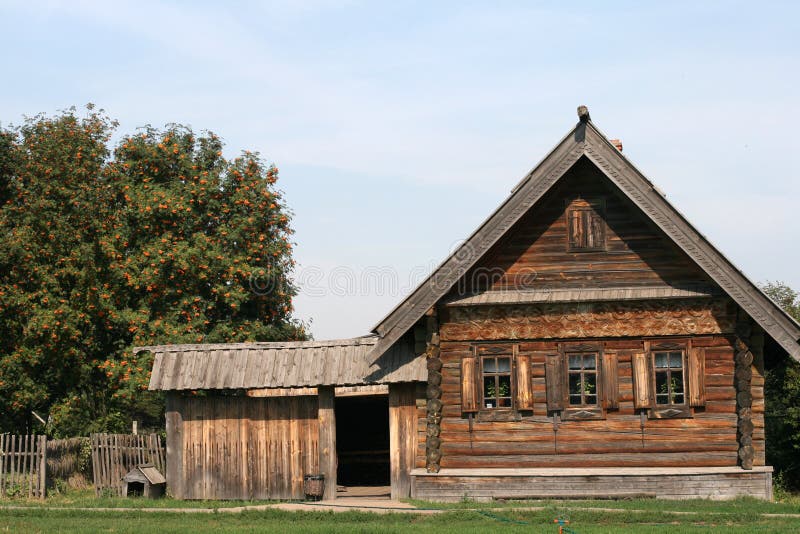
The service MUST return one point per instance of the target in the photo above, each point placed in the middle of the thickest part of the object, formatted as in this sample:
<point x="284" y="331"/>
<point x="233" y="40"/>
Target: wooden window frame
<point x="671" y="410"/>
<point x="596" y="209"/>
<point x="585" y="411"/>
<point x="583" y="372"/>
<point x="496" y="375"/>
<point x="518" y="407"/>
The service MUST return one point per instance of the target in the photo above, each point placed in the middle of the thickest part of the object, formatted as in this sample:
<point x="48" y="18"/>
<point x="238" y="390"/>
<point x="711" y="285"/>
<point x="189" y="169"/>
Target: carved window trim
<point x="590" y="233"/>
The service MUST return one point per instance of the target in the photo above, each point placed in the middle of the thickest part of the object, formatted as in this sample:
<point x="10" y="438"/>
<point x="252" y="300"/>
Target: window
<point x="496" y="374"/>
<point x="582" y="379"/>
<point x="496" y="382"/>
<point x="585" y="226"/>
<point x="669" y="378"/>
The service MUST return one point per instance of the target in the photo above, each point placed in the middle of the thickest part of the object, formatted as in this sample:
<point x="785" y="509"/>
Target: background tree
<point x="782" y="392"/>
<point x="162" y="240"/>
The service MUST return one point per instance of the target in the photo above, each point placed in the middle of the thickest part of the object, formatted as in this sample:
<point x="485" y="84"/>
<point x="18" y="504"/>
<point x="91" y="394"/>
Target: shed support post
<point x="175" y="472"/>
<point x="402" y="437"/>
<point x="327" y="439"/>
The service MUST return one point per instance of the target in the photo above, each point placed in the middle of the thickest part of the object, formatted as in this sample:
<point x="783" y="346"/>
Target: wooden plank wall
<point x="23" y="465"/>
<point x="233" y="447"/>
<point x="706" y="439"/>
<point x="114" y="455"/>
<point x="534" y="253"/>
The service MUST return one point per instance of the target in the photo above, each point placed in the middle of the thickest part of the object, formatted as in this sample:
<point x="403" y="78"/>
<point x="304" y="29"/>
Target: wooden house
<point x="585" y="340"/>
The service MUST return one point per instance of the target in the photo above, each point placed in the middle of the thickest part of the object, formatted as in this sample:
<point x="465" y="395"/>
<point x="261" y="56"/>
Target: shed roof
<point x="339" y="362"/>
<point x="585" y="140"/>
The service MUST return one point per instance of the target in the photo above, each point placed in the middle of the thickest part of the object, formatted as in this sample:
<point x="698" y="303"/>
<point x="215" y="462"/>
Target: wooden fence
<point x="23" y="465"/>
<point x="113" y="455"/>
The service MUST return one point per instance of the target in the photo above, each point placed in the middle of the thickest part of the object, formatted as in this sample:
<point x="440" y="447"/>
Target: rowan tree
<point x="160" y="240"/>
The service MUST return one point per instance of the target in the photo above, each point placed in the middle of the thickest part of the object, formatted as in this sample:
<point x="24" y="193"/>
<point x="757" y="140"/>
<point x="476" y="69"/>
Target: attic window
<point x="586" y="229"/>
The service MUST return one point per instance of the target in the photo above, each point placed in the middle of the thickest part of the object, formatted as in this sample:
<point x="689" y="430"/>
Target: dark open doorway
<point x="362" y="440"/>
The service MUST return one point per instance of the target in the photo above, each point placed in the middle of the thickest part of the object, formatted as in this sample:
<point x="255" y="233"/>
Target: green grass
<point x="637" y="515"/>
<point x="455" y="521"/>
<point x="86" y="499"/>
<point x="744" y="505"/>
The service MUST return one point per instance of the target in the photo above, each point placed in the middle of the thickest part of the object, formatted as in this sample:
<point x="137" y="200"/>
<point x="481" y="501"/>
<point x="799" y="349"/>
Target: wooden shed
<point x="586" y="340"/>
<point x="250" y="420"/>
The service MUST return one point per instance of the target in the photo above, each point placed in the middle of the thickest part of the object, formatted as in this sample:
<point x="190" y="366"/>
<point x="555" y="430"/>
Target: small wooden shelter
<point x="586" y="340"/>
<point x="144" y="480"/>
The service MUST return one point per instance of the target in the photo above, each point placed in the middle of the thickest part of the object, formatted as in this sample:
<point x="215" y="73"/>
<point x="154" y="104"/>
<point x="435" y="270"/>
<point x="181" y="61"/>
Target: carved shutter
<point x="469" y="384"/>
<point x="555" y="381"/>
<point x="524" y="395"/>
<point x="610" y="378"/>
<point x="697" y="377"/>
<point x="642" y="396"/>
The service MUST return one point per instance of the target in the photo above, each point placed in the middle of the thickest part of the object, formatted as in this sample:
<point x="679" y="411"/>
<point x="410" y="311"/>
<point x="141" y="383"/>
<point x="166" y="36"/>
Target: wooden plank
<point x="174" y="427"/>
<point x="470" y="395"/>
<point x="696" y="374"/>
<point x="31" y="463"/>
<point x="402" y="438"/>
<point x="642" y="397"/>
<point x="524" y="385"/>
<point x="610" y="380"/>
<point x="326" y="418"/>
<point x="555" y="379"/>
<point x="3" y="458"/>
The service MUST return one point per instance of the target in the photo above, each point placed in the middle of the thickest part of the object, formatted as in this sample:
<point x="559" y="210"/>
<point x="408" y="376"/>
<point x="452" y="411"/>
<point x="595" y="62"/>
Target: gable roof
<point x="585" y="140"/>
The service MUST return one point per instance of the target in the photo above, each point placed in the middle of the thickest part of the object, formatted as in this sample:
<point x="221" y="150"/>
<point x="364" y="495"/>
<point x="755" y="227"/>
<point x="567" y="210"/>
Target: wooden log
<point x="743" y="372"/>
<point x="744" y="358"/>
<point x="434" y="378"/>
<point x="433" y="392"/>
<point x="434" y="405"/>
<point x="434" y="364"/>
<point x="745" y="427"/>
<point x="327" y="439"/>
<point x="744" y="399"/>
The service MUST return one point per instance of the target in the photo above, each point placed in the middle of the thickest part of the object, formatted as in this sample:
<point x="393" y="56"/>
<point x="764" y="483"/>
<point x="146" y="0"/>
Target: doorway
<point x="362" y="445"/>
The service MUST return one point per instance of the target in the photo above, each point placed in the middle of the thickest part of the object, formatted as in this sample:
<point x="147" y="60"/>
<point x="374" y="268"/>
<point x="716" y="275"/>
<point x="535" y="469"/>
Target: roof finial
<point x="583" y="114"/>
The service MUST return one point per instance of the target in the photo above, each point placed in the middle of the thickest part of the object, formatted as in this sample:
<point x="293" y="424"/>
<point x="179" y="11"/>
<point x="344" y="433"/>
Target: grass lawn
<point x="86" y="499"/>
<point x="744" y="515"/>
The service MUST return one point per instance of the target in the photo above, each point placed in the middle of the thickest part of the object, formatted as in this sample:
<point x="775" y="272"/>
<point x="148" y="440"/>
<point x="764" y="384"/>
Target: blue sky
<point x="388" y="120"/>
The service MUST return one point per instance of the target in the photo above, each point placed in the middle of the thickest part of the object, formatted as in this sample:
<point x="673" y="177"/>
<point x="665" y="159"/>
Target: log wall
<point x="233" y="447"/>
<point x="623" y="438"/>
<point x="674" y="483"/>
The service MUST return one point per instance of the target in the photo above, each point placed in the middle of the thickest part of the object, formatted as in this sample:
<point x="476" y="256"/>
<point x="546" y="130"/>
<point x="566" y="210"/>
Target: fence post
<point x="43" y="467"/>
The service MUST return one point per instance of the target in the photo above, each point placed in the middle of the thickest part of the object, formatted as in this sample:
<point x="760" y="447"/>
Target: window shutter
<point x="469" y="384"/>
<point x="524" y="395"/>
<point x="697" y="377"/>
<point x="576" y="236"/>
<point x="642" y="397"/>
<point x="610" y="378"/>
<point x="554" y="379"/>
